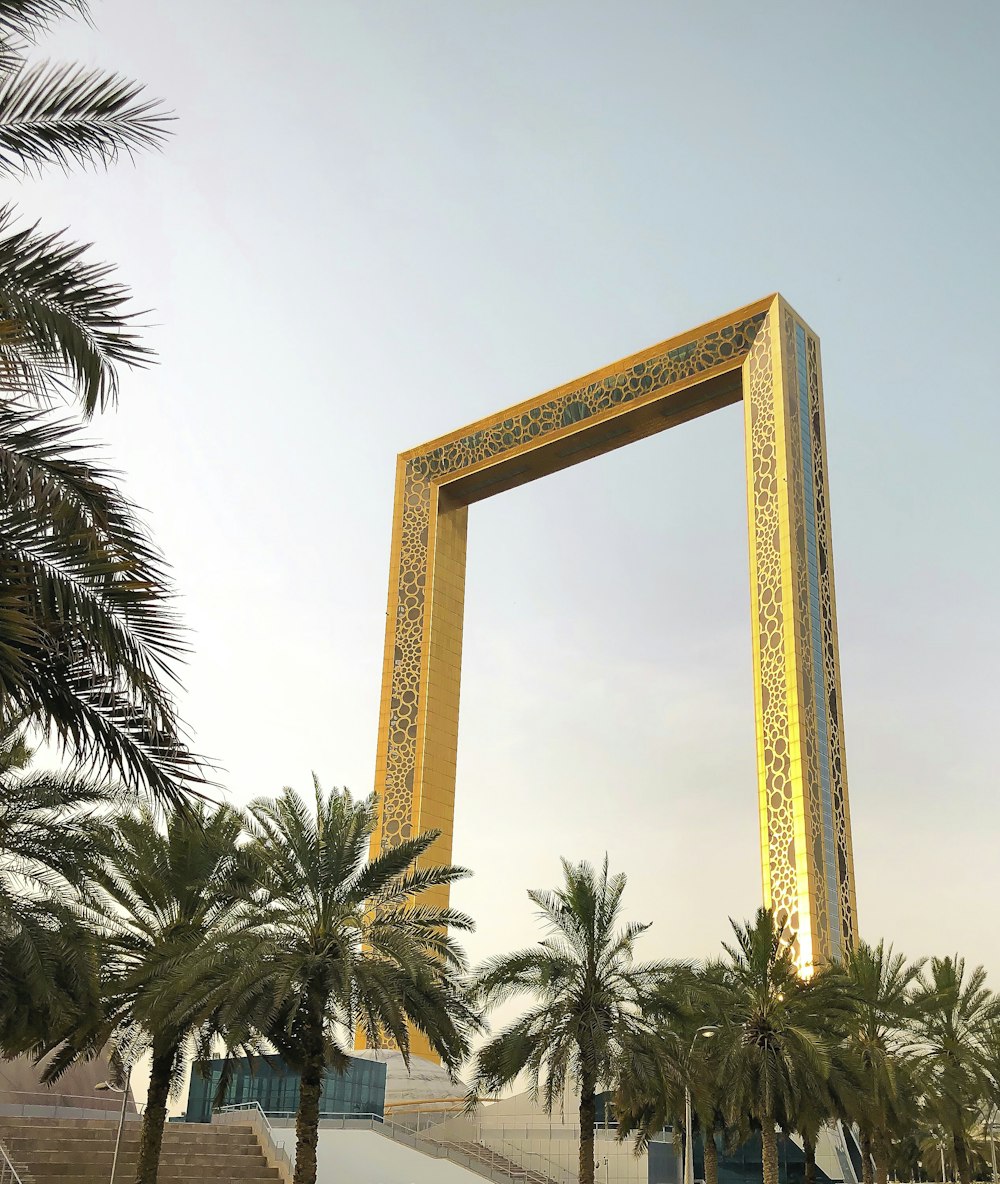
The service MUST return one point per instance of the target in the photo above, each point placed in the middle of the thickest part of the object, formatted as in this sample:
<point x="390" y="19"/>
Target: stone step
<point x="31" y="1144"/>
<point x="83" y="1175"/>
<point x="37" y="1142"/>
<point x="98" y="1138"/>
<point x="168" y="1171"/>
<point x="173" y="1130"/>
<point x="108" y="1124"/>
<point x="208" y="1157"/>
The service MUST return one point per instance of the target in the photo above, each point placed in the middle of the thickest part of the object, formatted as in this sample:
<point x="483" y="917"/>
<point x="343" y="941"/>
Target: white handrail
<point x="8" y="1173"/>
<point x="236" y="1107"/>
<point x="274" y="1153"/>
<point x="34" y="1103"/>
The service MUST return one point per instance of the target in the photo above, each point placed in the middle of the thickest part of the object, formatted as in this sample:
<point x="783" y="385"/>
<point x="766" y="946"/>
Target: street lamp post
<point x="708" y="1031"/>
<point x="106" y="1085"/>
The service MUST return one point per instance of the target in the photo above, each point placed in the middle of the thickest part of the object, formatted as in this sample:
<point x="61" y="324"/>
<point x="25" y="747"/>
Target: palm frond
<point x="89" y="639"/>
<point x="58" y="114"/>
<point x="65" y="321"/>
<point x="23" y="21"/>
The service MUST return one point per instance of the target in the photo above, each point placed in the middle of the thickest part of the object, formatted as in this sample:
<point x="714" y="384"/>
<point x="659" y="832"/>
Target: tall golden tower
<point x="767" y="356"/>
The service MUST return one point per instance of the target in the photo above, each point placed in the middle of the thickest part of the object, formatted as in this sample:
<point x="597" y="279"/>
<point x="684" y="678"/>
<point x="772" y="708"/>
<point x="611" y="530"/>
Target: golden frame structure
<point x="767" y="356"/>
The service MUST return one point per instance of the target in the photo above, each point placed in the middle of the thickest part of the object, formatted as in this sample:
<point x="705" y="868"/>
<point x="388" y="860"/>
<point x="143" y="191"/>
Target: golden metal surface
<point x="767" y="356"/>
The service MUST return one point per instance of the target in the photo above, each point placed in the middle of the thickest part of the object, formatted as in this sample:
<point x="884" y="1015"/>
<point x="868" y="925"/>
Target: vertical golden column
<point x="437" y="736"/>
<point x="804" y="826"/>
<point x="418" y="719"/>
<point x="772" y="614"/>
<point x="842" y="856"/>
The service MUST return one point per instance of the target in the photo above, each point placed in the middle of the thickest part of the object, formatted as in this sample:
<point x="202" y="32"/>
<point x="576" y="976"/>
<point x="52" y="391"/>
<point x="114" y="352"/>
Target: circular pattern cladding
<point x="663" y="370"/>
<point x="808" y="734"/>
<point x="828" y="618"/>
<point x="404" y="703"/>
<point x="771" y="637"/>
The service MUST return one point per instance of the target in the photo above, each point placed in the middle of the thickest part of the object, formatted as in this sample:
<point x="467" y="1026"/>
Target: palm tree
<point x="776" y="1032"/>
<point x="813" y="1110"/>
<point x="88" y="638"/>
<point x="878" y="1039"/>
<point x="991" y="1107"/>
<point x="589" y="994"/>
<point x="955" y="1013"/>
<point x="179" y="907"/>
<point x="52" y="827"/>
<point x="349" y="945"/>
<point x="651" y="1089"/>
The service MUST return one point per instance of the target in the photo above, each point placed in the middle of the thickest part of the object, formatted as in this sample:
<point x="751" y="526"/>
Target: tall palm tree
<point x="878" y="1039"/>
<point x="179" y="907"/>
<point x="349" y="945"/>
<point x="955" y="1013"/>
<point x="814" y="1109"/>
<point x="776" y="1031"/>
<point x="52" y="827"/>
<point x="991" y="1065"/>
<point x="589" y="994"/>
<point x="651" y="1088"/>
<point x="88" y="638"/>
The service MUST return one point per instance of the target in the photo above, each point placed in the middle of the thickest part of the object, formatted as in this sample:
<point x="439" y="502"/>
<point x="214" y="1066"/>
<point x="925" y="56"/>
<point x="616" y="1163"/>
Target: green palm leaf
<point x="54" y="114"/>
<point x="89" y="639"/>
<point x="21" y="22"/>
<point x="350" y="946"/>
<point x="64" y="323"/>
<point x="591" y="1000"/>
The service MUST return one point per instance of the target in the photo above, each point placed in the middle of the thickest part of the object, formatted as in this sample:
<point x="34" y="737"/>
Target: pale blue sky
<point x="381" y="220"/>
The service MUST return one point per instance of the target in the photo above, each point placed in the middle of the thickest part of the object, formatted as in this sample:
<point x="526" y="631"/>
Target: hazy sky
<point x="380" y="220"/>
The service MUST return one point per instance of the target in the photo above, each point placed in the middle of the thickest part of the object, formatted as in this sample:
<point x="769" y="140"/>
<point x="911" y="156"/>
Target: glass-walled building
<point x="838" y="1160"/>
<point x="270" y="1083"/>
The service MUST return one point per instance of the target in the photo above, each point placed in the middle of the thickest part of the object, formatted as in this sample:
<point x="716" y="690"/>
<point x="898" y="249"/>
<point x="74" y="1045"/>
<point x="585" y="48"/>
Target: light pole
<point x="107" y="1085"/>
<point x="708" y="1031"/>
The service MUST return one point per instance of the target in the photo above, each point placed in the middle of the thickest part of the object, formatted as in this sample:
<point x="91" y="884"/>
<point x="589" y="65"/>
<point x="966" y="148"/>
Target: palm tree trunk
<point x="962" y="1160"/>
<point x="769" y="1150"/>
<point x="588" y="1114"/>
<point x="711" y="1158"/>
<point x="307" y="1119"/>
<point x="867" y="1176"/>
<point x="155" y="1116"/>
<point x="881" y="1162"/>
<point x="809" y="1151"/>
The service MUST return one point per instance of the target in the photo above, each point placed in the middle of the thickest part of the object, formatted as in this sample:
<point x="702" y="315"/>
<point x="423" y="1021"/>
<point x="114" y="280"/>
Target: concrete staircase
<point x="80" y="1150"/>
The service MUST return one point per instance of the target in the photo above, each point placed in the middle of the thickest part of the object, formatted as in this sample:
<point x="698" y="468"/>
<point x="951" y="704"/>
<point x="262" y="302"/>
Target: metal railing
<point x="274" y="1153"/>
<point x="8" y="1173"/>
<point x="324" y="1115"/>
<point x="24" y="1103"/>
<point x="249" y="1107"/>
<point x="541" y="1165"/>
